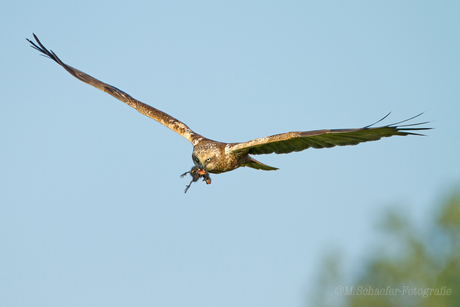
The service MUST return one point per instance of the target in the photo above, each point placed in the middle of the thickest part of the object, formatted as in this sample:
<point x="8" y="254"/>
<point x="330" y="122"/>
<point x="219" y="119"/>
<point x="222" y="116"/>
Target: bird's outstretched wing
<point x="143" y="108"/>
<point x="298" y="141"/>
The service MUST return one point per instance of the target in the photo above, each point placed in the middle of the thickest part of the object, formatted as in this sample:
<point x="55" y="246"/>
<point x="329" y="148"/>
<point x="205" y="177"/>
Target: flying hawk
<point x="217" y="157"/>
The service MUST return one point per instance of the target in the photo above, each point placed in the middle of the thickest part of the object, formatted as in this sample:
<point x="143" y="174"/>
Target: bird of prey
<point x="217" y="157"/>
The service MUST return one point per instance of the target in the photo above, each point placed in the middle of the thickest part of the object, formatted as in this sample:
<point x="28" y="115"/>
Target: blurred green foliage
<point x="412" y="267"/>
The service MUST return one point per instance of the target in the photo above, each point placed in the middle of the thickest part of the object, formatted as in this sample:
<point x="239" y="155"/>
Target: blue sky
<point x="92" y="209"/>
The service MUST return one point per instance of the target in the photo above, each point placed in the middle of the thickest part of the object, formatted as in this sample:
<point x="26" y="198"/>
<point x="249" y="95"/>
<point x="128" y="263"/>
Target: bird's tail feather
<point x="253" y="163"/>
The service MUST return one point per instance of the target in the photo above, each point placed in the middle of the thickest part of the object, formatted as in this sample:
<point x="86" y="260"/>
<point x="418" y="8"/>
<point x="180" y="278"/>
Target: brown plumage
<point x="217" y="157"/>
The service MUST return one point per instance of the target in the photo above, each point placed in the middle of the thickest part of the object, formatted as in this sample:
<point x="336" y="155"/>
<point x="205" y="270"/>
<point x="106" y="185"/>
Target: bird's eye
<point x="208" y="159"/>
<point x="196" y="159"/>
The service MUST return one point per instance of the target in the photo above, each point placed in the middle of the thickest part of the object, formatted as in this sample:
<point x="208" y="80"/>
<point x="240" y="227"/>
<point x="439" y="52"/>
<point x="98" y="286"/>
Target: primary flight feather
<point x="217" y="157"/>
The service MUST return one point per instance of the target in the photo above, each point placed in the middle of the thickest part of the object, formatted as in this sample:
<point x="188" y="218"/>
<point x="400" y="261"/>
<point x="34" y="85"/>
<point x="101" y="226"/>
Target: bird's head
<point x="205" y="157"/>
<point x="207" y="162"/>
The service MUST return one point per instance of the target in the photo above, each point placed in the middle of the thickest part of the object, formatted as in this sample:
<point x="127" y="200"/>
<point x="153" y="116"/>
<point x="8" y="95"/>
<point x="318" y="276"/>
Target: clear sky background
<point x="92" y="209"/>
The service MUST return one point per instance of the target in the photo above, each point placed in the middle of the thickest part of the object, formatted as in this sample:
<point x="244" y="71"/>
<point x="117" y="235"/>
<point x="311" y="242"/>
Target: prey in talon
<point x="197" y="172"/>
